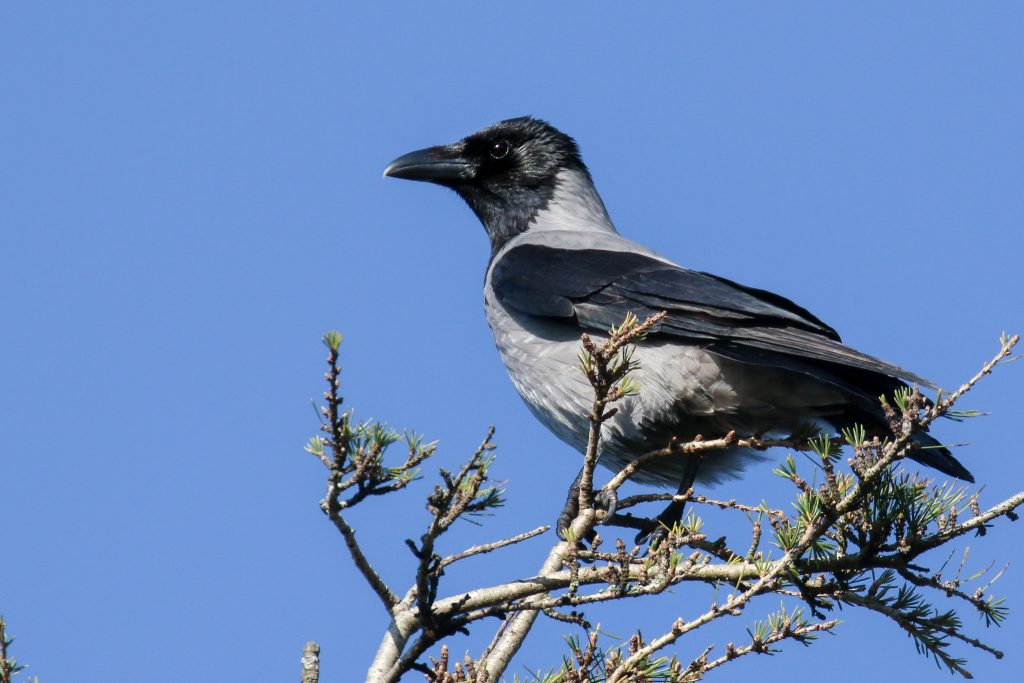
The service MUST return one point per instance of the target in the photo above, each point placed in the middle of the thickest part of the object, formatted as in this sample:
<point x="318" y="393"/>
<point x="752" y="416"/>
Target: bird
<point x="725" y="358"/>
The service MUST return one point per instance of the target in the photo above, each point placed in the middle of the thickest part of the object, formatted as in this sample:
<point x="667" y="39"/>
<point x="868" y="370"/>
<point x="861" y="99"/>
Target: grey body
<point x="542" y="359"/>
<point x="725" y="358"/>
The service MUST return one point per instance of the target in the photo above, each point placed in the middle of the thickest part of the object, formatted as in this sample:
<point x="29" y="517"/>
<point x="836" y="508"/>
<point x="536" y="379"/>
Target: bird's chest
<point x="542" y="359"/>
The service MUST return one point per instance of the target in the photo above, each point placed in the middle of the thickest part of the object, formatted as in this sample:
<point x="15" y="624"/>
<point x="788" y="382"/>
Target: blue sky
<point x="191" y="194"/>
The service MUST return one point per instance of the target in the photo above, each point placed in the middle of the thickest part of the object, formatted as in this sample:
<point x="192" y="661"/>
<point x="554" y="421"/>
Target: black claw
<point x="653" y="537"/>
<point x="673" y="512"/>
<point x="603" y="500"/>
<point x="607" y="501"/>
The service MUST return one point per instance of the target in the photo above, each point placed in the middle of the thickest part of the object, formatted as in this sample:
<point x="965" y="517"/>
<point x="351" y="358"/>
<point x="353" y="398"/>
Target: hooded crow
<point x="727" y="357"/>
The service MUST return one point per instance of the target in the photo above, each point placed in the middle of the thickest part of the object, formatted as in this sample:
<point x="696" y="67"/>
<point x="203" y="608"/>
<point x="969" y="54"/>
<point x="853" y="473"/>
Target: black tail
<point x="931" y="453"/>
<point x="865" y="409"/>
<point x="862" y="387"/>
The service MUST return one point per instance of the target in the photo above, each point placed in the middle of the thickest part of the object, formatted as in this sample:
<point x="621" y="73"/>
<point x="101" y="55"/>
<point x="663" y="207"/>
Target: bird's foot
<point x="658" y="528"/>
<point x="604" y="501"/>
<point x="654" y="537"/>
<point x="607" y="502"/>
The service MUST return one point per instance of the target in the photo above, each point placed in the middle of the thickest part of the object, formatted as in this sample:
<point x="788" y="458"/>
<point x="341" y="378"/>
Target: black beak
<point x="444" y="165"/>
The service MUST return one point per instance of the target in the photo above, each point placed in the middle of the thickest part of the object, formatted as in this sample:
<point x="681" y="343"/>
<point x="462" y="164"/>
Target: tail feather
<point x="933" y="454"/>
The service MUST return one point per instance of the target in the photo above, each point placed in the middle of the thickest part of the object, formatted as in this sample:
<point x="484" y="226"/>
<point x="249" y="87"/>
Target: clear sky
<point x="191" y="194"/>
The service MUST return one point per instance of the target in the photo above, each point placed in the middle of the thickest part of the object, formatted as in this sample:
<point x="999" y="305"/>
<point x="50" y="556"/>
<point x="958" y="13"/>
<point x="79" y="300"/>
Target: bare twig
<point x="383" y="591"/>
<point x="631" y="501"/>
<point x="488" y="547"/>
<point x="700" y="445"/>
<point x="311" y="663"/>
<point x="944" y="405"/>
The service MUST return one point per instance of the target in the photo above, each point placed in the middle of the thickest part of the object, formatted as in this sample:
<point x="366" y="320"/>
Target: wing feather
<point x="595" y="288"/>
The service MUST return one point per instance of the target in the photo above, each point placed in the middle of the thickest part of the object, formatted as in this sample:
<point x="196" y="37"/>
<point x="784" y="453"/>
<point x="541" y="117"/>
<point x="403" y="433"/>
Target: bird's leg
<point x="570" y="509"/>
<point x="673" y="512"/>
<point x="603" y="500"/>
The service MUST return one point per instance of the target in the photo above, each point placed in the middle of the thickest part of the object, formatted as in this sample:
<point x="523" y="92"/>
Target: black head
<point x="506" y="172"/>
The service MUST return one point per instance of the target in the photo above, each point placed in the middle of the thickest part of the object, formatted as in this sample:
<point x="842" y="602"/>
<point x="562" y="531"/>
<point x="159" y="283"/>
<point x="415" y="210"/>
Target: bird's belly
<point x="682" y="393"/>
<point x="545" y="372"/>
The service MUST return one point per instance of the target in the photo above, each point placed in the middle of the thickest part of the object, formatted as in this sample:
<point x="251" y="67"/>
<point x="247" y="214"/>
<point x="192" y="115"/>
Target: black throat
<point x="509" y="211"/>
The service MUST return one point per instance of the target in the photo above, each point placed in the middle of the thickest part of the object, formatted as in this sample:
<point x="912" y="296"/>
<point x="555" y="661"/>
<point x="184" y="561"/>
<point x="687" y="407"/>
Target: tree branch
<point x="845" y="526"/>
<point x="488" y="547"/>
<point x="383" y="591"/>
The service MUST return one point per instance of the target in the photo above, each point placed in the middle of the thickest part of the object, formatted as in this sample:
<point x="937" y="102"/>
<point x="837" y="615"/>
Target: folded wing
<point x="595" y="289"/>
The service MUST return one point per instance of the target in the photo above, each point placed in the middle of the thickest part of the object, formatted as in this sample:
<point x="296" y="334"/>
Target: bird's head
<point x="507" y="172"/>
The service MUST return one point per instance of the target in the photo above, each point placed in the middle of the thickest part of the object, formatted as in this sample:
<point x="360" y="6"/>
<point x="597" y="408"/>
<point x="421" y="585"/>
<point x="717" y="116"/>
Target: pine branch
<point x="846" y="524"/>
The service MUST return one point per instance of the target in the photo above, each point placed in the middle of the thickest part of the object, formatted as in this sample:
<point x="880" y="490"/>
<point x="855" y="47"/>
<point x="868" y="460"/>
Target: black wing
<point x="596" y="288"/>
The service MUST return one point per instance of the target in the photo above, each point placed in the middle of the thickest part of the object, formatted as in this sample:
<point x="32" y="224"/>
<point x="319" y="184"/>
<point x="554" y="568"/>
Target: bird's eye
<point x="499" y="149"/>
